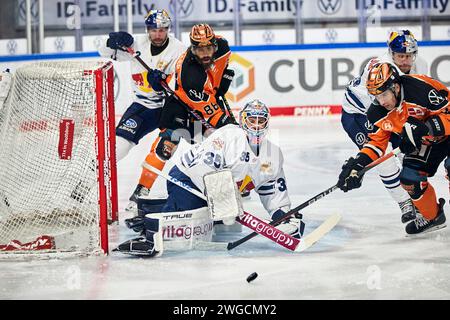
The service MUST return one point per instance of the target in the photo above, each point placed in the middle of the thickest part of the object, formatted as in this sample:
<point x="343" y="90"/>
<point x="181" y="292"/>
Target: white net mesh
<point x="48" y="157"/>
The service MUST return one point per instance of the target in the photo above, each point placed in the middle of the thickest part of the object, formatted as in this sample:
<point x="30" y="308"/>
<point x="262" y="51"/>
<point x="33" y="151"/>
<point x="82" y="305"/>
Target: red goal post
<point x="58" y="179"/>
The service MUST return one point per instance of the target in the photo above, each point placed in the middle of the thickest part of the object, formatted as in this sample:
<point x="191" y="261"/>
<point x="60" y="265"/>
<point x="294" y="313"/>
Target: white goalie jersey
<point x="228" y="148"/>
<point x="356" y="97"/>
<point x="165" y="62"/>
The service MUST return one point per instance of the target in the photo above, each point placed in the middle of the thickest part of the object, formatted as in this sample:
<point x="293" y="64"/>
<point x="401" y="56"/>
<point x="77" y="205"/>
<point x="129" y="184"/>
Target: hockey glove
<point x="226" y="81"/>
<point x="154" y="78"/>
<point x="436" y="126"/>
<point x="118" y="40"/>
<point x="293" y="225"/>
<point x="411" y="137"/>
<point x="349" y="178"/>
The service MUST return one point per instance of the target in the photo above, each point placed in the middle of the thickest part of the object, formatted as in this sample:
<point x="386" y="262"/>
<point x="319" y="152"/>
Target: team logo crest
<point x="435" y="98"/>
<point x="266" y="168"/>
<point x="218" y="144"/>
<point x="387" y="125"/>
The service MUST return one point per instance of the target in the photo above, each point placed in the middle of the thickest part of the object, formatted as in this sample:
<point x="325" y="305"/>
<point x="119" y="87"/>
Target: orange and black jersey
<point x="420" y="97"/>
<point x="197" y="86"/>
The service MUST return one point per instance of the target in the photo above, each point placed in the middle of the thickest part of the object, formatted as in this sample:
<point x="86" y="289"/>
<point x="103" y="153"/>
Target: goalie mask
<point x="254" y="120"/>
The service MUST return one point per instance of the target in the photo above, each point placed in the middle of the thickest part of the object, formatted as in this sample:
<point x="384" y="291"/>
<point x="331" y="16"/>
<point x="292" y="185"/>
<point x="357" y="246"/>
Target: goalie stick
<point x="315" y="198"/>
<point x="306" y="242"/>
<point x="259" y="226"/>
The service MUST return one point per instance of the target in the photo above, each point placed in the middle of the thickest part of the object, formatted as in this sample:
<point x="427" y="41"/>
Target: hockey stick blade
<point x="318" y="233"/>
<point x="305" y="242"/>
<point x="315" y="198"/>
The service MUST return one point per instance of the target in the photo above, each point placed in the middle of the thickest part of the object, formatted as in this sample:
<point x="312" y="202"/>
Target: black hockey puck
<point x="252" y="277"/>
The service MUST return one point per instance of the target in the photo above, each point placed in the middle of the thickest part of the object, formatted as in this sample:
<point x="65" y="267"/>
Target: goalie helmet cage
<point x="58" y="180"/>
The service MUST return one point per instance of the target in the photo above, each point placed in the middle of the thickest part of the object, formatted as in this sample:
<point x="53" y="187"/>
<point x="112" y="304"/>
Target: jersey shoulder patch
<point x="424" y="91"/>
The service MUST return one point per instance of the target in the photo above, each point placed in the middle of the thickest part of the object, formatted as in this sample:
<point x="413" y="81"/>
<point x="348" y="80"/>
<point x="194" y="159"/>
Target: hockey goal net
<point x="58" y="184"/>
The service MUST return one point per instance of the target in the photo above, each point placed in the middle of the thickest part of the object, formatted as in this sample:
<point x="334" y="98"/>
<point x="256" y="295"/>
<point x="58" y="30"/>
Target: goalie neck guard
<point x="254" y="120"/>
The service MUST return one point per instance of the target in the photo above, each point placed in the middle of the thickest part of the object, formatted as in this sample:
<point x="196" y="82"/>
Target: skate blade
<point x="133" y="253"/>
<point x="441" y="226"/>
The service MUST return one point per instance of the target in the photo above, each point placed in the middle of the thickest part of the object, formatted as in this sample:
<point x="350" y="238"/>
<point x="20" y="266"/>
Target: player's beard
<point x="405" y="68"/>
<point x="158" y="42"/>
<point x="207" y="62"/>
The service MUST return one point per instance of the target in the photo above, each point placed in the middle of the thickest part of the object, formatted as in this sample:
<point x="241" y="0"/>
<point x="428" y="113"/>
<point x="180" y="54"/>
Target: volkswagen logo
<point x="184" y="8"/>
<point x="59" y="44"/>
<point x="435" y="98"/>
<point x="23" y="10"/>
<point x="329" y="7"/>
<point x="331" y="35"/>
<point x="268" y="36"/>
<point x="98" y="41"/>
<point x="11" y="46"/>
<point x="368" y="125"/>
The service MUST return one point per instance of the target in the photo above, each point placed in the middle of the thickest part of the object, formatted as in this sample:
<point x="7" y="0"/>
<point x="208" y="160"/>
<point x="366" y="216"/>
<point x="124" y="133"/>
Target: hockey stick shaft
<point x="314" y="199"/>
<point x="168" y="89"/>
<point x="246" y="219"/>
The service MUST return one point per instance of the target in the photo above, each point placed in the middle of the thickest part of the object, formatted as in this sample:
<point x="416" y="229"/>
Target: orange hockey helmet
<point x="202" y="35"/>
<point x="382" y="77"/>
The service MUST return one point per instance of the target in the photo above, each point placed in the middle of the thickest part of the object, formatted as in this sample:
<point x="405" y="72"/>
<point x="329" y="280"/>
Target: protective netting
<point x="48" y="155"/>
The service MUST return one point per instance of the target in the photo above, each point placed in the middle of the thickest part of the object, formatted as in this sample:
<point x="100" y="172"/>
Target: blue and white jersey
<point x="165" y="62"/>
<point x="228" y="148"/>
<point x="357" y="99"/>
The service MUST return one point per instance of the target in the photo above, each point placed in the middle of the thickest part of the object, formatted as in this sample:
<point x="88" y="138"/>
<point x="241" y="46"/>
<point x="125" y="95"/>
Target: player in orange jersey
<point x="201" y="81"/>
<point x="416" y="108"/>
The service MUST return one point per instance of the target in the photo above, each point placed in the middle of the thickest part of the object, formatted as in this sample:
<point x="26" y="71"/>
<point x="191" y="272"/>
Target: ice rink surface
<point x="366" y="256"/>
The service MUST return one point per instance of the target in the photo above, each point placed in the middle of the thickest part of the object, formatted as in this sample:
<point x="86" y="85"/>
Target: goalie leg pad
<point x="182" y="228"/>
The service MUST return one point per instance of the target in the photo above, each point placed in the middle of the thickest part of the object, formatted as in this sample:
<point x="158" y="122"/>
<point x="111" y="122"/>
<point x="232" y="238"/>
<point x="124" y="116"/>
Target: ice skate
<point x="422" y="225"/>
<point x="140" y="191"/>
